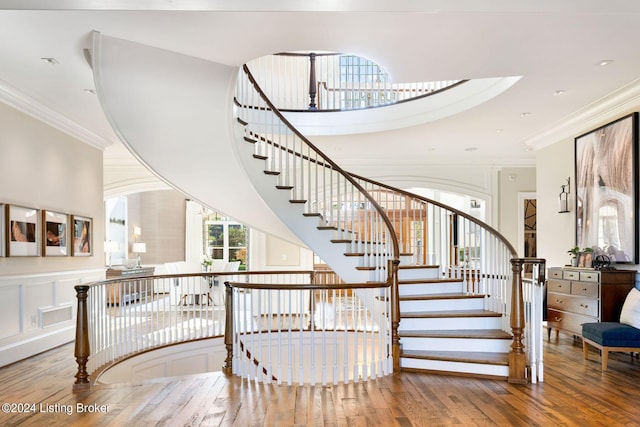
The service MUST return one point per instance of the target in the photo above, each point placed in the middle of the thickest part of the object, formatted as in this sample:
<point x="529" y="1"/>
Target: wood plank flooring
<point x="574" y="393"/>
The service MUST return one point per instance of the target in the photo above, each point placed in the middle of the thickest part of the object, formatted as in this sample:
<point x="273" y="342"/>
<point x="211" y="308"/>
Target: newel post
<point x="395" y="313"/>
<point x="517" y="356"/>
<point x="227" y="368"/>
<point x="312" y="82"/>
<point x="82" y="350"/>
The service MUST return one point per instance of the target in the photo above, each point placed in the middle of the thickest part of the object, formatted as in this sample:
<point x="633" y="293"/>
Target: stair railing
<point x="314" y="180"/>
<point x="325" y="190"/>
<point x="328" y="81"/>
<point x="467" y="248"/>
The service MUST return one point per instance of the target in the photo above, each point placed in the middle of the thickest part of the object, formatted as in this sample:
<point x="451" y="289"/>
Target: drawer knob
<point x="559" y="301"/>
<point x="584" y="305"/>
<point x="584" y="289"/>
<point x="558" y="319"/>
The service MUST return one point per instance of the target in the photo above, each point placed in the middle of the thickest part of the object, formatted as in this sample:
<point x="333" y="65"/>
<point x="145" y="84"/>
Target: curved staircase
<point x="454" y="317"/>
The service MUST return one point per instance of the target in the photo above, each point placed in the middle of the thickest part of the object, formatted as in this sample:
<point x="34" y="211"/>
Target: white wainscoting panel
<point x="37" y="311"/>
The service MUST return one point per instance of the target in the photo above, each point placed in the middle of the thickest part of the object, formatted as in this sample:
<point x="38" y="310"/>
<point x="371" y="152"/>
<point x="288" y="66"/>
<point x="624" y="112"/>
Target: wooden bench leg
<point x="585" y="349"/>
<point x="605" y="357"/>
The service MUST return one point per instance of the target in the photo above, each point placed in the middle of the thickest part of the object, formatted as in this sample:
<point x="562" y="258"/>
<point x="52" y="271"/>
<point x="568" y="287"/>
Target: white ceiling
<point x="554" y="45"/>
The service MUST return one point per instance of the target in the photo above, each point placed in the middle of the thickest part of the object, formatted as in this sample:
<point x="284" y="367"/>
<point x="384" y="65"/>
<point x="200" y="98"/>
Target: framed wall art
<point x="81" y="244"/>
<point x="54" y="233"/>
<point x="607" y="190"/>
<point x="3" y="227"/>
<point x="23" y="231"/>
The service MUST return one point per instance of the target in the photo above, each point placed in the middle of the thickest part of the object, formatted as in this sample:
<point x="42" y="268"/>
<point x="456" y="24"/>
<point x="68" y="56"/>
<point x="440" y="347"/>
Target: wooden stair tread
<point x="428" y="297"/>
<point x="455" y="333"/>
<point x="450" y="313"/>
<point x="460" y="356"/>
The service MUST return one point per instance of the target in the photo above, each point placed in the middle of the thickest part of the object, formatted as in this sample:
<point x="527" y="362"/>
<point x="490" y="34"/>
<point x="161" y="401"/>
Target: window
<point x="225" y="239"/>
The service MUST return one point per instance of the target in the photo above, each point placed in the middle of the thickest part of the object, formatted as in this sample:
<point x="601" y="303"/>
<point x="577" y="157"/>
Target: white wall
<point x="43" y="168"/>
<point x="511" y="182"/>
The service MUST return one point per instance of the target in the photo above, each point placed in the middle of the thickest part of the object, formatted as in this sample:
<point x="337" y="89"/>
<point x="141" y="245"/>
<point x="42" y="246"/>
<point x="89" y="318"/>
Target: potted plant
<point x="574" y="255"/>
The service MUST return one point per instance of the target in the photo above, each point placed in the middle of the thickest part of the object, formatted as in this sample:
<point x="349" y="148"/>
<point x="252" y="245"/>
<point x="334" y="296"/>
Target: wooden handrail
<point x="334" y="165"/>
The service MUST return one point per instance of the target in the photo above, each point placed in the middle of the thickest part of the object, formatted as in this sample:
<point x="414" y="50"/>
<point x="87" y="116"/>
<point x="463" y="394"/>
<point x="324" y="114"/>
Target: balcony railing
<point x="279" y="326"/>
<point x="308" y="333"/>
<point x="333" y="82"/>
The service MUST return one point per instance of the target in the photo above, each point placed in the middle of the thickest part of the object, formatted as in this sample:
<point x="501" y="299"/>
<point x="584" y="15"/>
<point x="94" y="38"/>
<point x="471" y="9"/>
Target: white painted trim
<point x="598" y="113"/>
<point x="39" y="111"/>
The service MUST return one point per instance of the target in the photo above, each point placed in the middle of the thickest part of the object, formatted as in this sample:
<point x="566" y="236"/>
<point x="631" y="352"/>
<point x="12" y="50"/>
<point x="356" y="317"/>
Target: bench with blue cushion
<point x="623" y="336"/>
<point x="610" y="336"/>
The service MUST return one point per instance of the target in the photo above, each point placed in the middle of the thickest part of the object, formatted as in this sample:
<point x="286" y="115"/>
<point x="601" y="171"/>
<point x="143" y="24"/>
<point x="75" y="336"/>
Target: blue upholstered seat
<point x="610" y="336"/>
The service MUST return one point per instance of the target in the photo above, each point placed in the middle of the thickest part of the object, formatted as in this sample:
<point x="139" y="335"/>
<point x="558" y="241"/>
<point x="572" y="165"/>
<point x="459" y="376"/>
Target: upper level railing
<point x="284" y="326"/>
<point x="315" y="333"/>
<point x="333" y="82"/>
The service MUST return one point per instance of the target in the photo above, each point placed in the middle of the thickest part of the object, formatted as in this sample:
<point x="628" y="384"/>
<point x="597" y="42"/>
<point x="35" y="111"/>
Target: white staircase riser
<point x="406" y="260"/>
<point x="460" y="367"/>
<point x="456" y="344"/>
<point x="441" y="305"/>
<point x="449" y="323"/>
<point x="418" y="273"/>
<point x="430" y="288"/>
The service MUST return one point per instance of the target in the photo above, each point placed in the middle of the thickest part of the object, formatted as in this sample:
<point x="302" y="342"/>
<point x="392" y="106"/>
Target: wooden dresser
<point x="578" y="295"/>
<point x="126" y="292"/>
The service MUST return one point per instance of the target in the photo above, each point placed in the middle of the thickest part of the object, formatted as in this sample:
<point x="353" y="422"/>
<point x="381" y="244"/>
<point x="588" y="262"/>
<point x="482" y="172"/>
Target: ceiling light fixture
<point x="471" y="149"/>
<point x="50" y="61"/>
<point x="499" y="130"/>
<point x="559" y="92"/>
<point x="91" y="91"/>
<point x="525" y="114"/>
<point x="605" y="62"/>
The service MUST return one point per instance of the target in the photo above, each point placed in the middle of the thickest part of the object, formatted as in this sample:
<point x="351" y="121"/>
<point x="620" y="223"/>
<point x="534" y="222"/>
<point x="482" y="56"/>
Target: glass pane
<point x="216" y="235"/>
<point x="237" y="235"/>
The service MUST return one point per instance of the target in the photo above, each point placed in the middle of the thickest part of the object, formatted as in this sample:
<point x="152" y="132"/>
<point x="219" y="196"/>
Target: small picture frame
<point x="54" y="233"/>
<point x="82" y="234"/>
<point x="585" y="259"/>
<point x="22" y="231"/>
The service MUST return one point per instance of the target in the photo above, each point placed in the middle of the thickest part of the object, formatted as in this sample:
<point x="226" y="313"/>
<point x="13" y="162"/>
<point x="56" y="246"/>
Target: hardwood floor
<point x="574" y="392"/>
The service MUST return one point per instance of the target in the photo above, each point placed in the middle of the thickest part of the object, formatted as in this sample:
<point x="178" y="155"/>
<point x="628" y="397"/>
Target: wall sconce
<point x="139" y="248"/>
<point x="563" y="198"/>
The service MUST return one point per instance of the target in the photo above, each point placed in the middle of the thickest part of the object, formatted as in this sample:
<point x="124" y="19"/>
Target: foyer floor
<point x="574" y="392"/>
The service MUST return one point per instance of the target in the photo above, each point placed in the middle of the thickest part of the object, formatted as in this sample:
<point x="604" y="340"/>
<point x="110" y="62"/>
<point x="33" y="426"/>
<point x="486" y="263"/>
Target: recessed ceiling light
<point x="91" y="91"/>
<point x="471" y="149"/>
<point x="499" y="130"/>
<point x="525" y="114"/>
<point x="559" y="92"/>
<point x="605" y="62"/>
<point x="50" y="61"/>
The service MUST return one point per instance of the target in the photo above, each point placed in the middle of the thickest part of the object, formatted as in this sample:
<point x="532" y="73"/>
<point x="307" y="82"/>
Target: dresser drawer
<point x="585" y="289"/>
<point x="573" y="304"/>
<point x="568" y="322"/>
<point x="558" y="286"/>
<point x="571" y="275"/>
<point x="589" y="276"/>
<point x="554" y="273"/>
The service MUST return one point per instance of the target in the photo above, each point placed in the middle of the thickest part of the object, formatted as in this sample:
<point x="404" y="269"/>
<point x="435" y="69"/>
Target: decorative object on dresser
<point x="583" y="295"/>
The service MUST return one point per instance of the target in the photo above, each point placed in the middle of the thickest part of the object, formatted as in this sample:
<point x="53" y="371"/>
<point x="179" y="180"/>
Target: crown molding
<point x="594" y="115"/>
<point x="37" y="110"/>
